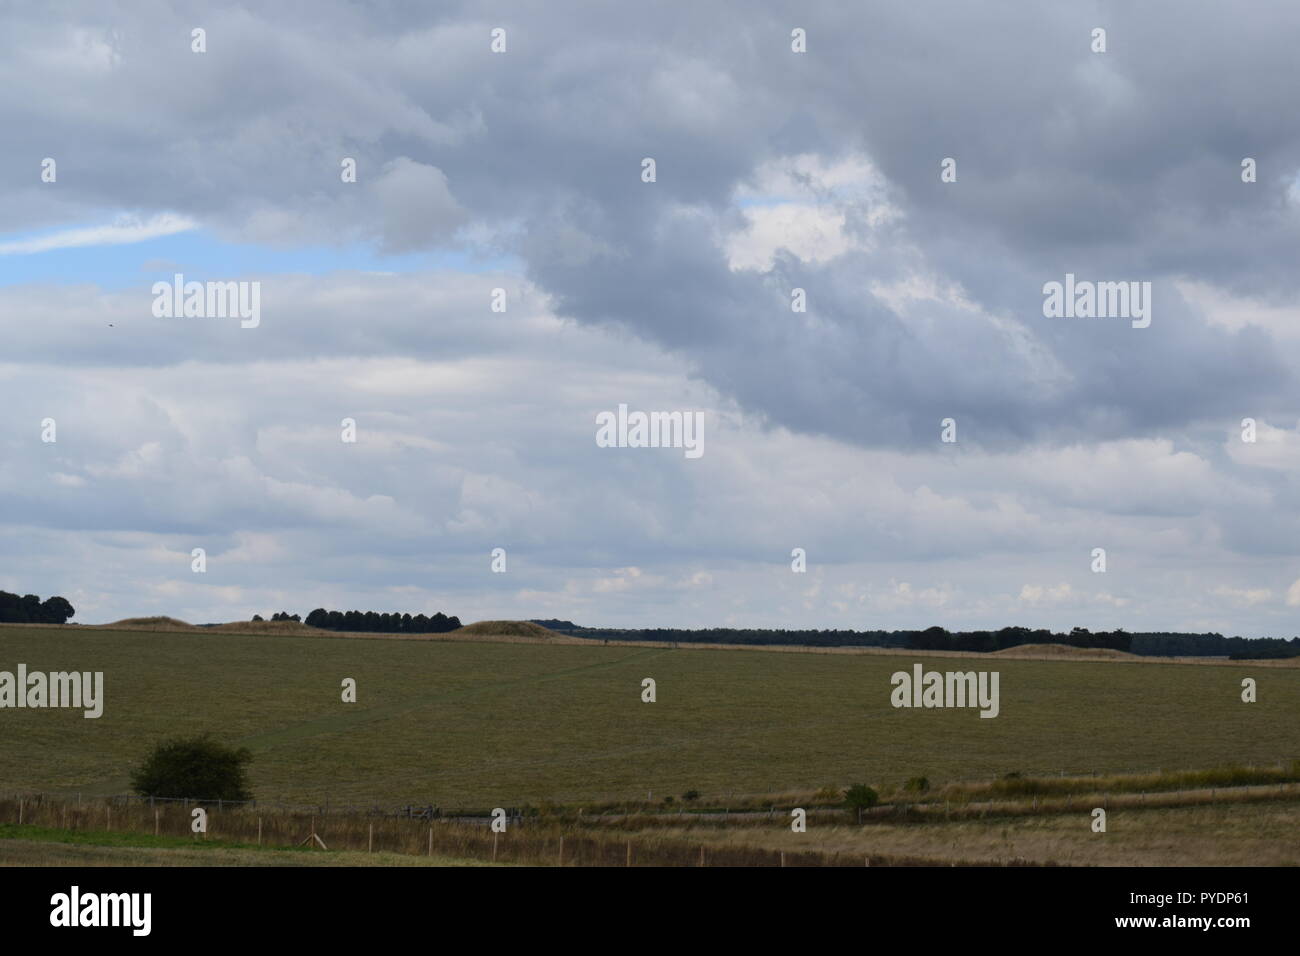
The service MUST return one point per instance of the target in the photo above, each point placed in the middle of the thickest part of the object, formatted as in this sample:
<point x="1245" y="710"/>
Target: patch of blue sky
<point x="201" y="256"/>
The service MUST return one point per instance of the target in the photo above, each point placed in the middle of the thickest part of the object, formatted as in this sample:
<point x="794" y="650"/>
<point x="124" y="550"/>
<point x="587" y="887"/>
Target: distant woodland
<point x="1150" y="644"/>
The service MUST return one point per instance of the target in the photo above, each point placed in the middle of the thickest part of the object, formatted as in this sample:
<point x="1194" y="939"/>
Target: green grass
<point x="482" y="725"/>
<point x="14" y="831"/>
<point x="49" y="846"/>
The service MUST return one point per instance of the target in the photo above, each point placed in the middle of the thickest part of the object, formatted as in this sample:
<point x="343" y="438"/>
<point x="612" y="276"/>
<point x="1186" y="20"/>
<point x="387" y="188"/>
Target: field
<point x="463" y="724"/>
<point x="32" y="846"/>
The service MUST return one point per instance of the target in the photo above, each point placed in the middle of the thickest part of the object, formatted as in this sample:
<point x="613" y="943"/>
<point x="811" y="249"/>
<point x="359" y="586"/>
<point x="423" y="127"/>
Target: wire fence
<point x="172" y="823"/>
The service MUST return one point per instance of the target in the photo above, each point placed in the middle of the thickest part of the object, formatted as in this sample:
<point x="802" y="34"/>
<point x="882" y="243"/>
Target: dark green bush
<point x="199" y="767"/>
<point x="860" y="797"/>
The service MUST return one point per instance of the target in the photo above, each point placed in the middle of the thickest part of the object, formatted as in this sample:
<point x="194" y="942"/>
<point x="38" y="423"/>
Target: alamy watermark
<point x="75" y="908"/>
<point x="1098" y="300"/>
<point x="56" y="689"/>
<point x="626" y="429"/>
<point x="208" y="300"/>
<point x="923" y="688"/>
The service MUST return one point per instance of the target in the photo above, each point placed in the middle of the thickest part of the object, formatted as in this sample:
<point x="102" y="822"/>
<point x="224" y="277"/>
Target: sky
<point x="522" y="169"/>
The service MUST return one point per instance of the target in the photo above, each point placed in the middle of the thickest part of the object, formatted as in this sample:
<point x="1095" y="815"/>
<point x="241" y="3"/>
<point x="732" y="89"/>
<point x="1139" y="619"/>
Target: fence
<point x="538" y="842"/>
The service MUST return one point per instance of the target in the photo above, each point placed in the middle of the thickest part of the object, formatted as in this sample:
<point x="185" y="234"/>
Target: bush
<point x="690" y="795"/>
<point x="198" y="767"/>
<point x="917" y="785"/>
<point x="860" y="797"/>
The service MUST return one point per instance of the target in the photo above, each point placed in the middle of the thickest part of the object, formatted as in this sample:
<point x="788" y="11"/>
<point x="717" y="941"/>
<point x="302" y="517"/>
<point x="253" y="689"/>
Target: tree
<point x="56" y="610"/>
<point x="31" y="608"/>
<point x="199" y="767"/>
<point x="860" y="797"/>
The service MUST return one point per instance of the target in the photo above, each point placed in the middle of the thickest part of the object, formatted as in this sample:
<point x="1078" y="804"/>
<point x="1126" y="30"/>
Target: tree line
<point x="30" y="609"/>
<point x="1153" y="644"/>
<point x="386" y="623"/>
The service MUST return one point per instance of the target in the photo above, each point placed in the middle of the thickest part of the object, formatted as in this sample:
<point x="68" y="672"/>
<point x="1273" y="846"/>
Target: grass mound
<point x="1064" y="650"/>
<point x="507" y="629"/>
<point x="161" y="623"/>
<point x="263" y="627"/>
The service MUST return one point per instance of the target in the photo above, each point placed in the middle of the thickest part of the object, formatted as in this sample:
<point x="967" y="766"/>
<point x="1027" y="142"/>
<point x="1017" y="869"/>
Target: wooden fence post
<point x="259" y="831"/>
<point x="370" y="840"/>
<point x="561" y="862"/>
<point x="430" y="839"/>
<point x="494" y="845"/>
<point x="155" y="823"/>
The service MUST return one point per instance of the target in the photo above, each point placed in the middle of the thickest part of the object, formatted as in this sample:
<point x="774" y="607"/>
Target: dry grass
<point x="1213" y="835"/>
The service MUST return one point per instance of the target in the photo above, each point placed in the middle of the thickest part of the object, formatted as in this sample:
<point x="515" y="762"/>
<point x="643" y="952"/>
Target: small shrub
<point x="860" y="797"/>
<point x="691" y="795"/>
<point x="917" y="785"/>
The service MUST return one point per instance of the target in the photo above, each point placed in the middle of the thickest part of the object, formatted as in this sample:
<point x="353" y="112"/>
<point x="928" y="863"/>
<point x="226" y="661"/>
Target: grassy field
<point x="462" y="724"/>
<point x="1258" y="835"/>
<point x="40" y="846"/>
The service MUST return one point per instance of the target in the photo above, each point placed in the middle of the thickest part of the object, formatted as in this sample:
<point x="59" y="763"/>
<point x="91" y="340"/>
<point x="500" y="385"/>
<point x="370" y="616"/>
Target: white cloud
<point x="122" y="231"/>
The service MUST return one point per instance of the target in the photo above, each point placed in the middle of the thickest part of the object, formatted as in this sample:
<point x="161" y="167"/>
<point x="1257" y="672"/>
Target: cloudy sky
<point x="522" y="170"/>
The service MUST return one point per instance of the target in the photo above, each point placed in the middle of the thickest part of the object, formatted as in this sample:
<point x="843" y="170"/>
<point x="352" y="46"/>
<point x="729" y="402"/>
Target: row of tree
<point x="387" y="623"/>
<point x="30" y="609"/>
<point x="1156" y="644"/>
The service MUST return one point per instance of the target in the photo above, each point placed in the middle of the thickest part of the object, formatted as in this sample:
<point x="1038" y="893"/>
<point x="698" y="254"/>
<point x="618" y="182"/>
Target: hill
<point x="160" y="623"/>
<point x="503" y="720"/>
<point x="507" y="629"/>
<point x="1048" y="651"/>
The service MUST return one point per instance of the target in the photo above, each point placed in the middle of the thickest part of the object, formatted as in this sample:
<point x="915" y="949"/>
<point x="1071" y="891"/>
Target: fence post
<point x="155" y="823"/>
<point x="431" y="842"/>
<point x="629" y="852"/>
<point x="561" y="863"/>
<point x="494" y="845"/>
<point x="259" y="831"/>
<point x="370" y="840"/>
<point x="20" y="811"/>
